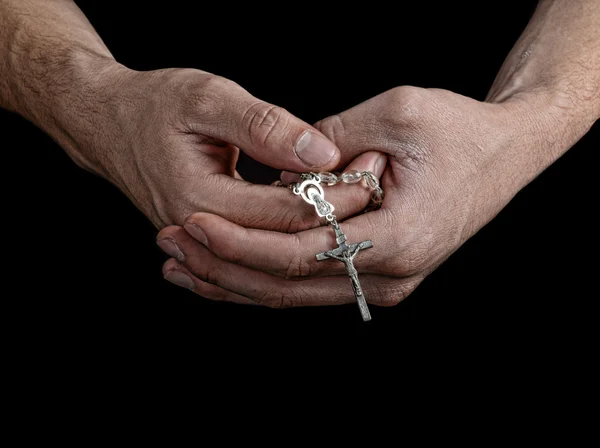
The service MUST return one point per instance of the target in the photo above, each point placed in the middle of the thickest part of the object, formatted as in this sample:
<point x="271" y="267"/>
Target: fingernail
<point x="380" y="165"/>
<point x="196" y="232"/>
<point x="171" y="248"/>
<point x="289" y="178"/>
<point x="314" y="150"/>
<point x="180" y="279"/>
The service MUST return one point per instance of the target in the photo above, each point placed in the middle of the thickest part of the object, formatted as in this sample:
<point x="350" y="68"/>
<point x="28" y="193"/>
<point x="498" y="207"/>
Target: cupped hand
<point x="453" y="164"/>
<point x="172" y="141"/>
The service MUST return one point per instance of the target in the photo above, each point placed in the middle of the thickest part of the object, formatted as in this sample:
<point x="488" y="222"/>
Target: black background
<point x="81" y="261"/>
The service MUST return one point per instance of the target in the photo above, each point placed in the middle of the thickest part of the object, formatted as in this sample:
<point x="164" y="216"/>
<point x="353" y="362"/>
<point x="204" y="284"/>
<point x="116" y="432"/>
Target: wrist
<point x="559" y="112"/>
<point x="543" y="124"/>
<point x="533" y="129"/>
<point x="78" y="106"/>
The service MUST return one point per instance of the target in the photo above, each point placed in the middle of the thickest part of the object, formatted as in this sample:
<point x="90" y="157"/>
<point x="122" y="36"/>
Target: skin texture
<point x="170" y="139"/>
<point x="454" y="163"/>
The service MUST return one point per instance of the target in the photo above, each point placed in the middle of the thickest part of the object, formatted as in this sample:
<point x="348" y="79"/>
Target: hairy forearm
<point x="42" y="44"/>
<point x="555" y="65"/>
<point x="51" y="61"/>
<point x="550" y="87"/>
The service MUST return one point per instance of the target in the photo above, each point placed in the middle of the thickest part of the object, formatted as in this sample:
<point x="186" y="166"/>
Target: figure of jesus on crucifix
<point x="346" y="253"/>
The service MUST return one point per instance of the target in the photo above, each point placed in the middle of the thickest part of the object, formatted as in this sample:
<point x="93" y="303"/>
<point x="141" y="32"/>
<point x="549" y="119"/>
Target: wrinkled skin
<point x="451" y="169"/>
<point x="169" y="139"/>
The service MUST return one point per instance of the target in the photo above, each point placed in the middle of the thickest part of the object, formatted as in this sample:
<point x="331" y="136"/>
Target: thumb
<point x="267" y="133"/>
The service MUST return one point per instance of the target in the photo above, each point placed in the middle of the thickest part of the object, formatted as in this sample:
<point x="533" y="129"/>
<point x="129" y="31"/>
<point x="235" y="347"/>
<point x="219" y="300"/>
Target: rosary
<point x="311" y="190"/>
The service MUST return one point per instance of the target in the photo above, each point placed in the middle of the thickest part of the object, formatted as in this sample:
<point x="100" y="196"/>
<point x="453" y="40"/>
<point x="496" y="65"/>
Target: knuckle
<point x="276" y="299"/>
<point x="298" y="267"/>
<point x="407" y="100"/>
<point x="228" y="250"/>
<point x="212" y="275"/>
<point x="294" y="222"/>
<point x="263" y="122"/>
<point x="212" y="84"/>
<point x="205" y="92"/>
<point x="405" y="106"/>
<point x="403" y="125"/>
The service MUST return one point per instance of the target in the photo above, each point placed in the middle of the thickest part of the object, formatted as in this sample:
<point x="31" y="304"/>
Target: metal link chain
<point x="349" y="177"/>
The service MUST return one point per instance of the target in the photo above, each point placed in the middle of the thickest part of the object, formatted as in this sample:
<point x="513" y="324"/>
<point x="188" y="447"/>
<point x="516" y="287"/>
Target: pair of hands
<point x="441" y="158"/>
<point x="170" y="140"/>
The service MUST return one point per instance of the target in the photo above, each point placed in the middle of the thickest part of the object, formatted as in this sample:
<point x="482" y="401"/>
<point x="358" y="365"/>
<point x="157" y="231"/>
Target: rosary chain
<point x="349" y="177"/>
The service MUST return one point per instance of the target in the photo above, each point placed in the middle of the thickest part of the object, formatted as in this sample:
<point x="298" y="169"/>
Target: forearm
<point x="550" y="87"/>
<point x="556" y="64"/>
<point x="51" y="62"/>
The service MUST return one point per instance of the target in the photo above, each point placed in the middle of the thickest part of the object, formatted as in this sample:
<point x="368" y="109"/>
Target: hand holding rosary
<point x="310" y="188"/>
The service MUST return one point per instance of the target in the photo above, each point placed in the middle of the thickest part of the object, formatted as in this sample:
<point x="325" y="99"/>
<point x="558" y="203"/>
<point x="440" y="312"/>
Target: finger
<point x="179" y="275"/>
<point x="277" y="292"/>
<point x="278" y="209"/>
<point x="350" y="196"/>
<point x="222" y="191"/>
<point x="288" y="178"/>
<point x="268" y="207"/>
<point x="294" y="255"/>
<point x="265" y="132"/>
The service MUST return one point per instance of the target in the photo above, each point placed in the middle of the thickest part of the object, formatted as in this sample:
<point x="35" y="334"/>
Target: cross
<point x="346" y="253"/>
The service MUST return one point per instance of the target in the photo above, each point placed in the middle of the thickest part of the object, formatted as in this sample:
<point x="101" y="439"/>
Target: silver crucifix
<point x="346" y="253"/>
<point x="312" y="192"/>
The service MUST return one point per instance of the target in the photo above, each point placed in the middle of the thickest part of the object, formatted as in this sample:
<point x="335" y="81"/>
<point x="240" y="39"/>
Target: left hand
<point x="453" y="164"/>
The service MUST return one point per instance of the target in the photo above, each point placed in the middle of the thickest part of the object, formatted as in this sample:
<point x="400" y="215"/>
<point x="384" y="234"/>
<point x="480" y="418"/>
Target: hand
<point x="169" y="139"/>
<point x="454" y="163"/>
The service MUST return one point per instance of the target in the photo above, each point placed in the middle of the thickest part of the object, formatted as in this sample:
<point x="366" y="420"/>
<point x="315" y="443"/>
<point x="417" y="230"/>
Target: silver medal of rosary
<point x="310" y="188"/>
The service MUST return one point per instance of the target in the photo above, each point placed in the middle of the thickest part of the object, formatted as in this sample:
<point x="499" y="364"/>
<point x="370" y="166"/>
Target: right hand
<point x="170" y="140"/>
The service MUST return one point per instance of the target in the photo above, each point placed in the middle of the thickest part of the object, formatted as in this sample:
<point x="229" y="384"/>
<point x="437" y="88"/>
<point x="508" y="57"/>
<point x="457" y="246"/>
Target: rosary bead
<point x="377" y="197"/>
<point x="371" y="180"/>
<point x="352" y="177"/>
<point x="328" y="178"/>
